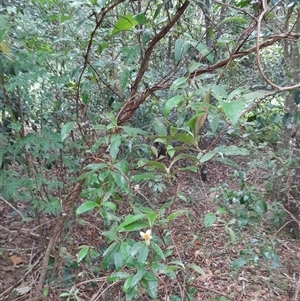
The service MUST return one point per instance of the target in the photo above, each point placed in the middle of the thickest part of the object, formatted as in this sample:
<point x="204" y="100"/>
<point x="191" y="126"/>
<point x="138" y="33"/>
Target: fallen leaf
<point x="16" y="259"/>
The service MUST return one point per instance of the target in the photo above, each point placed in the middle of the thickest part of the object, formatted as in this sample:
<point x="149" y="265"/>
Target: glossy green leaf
<point x="158" y="250"/>
<point x="152" y="216"/>
<point x="127" y="284"/>
<point x="233" y="110"/>
<point x="137" y="277"/>
<point x="111" y="235"/>
<point x="131" y="219"/>
<point x="118" y="276"/>
<point x="171" y="103"/>
<point x="138" y="225"/>
<point x="124" y="23"/>
<point x="143" y="254"/>
<point x="114" y="146"/>
<point x="86" y="206"/>
<point x="141" y="18"/>
<point x="82" y="253"/>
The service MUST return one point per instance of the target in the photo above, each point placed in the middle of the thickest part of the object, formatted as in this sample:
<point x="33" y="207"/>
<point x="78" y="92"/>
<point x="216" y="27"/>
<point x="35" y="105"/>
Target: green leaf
<point x="118" y="260"/>
<point x="231" y="234"/>
<point x="233" y="110"/>
<point x="66" y="129"/>
<point x="131" y="219"/>
<point x="141" y="18"/>
<point x="171" y="103"/>
<point x="147" y="34"/>
<point x="127" y="284"/>
<point x="158" y="165"/>
<point x="118" y="276"/>
<point x="131" y="55"/>
<point x="82" y="253"/>
<point x="239" y="262"/>
<point x="179" y="83"/>
<point x="136" y="248"/>
<point x="196" y="268"/>
<point x="111" y="235"/>
<point x="151" y="218"/>
<point x="143" y="176"/>
<point x="297" y="96"/>
<point x="135" y="226"/>
<point x="137" y="277"/>
<point x="111" y="249"/>
<point x="114" y="146"/>
<point x="158" y="250"/>
<point x="143" y="254"/>
<point x="86" y="206"/>
<point x="186" y="138"/>
<point x="124" y="23"/>
<point x="234" y="20"/>
<point x="174" y="215"/>
<point x="123" y="79"/>
<point x="125" y="249"/>
<point x="209" y="219"/>
<point x="180" y="49"/>
<point x="234" y="150"/>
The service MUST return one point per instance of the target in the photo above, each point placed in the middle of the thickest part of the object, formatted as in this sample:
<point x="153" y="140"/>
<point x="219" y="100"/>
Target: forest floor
<point x="262" y="245"/>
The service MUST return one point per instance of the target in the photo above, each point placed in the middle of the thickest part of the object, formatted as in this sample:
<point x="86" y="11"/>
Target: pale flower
<point x="147" y="236"/>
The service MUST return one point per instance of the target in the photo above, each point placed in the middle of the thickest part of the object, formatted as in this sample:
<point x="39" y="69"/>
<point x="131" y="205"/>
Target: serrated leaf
<point x="209" y="219"/>
<point x="171" y="103"/>
<point x="86" y="206"/>
<point x="66" y="129"/>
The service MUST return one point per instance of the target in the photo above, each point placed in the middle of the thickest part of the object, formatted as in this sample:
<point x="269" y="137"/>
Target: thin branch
<point x="262" y="15"/>
<point x="10" y="205"/>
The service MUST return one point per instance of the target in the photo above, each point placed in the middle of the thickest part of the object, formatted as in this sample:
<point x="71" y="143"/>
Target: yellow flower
<point x="147" y="236"/>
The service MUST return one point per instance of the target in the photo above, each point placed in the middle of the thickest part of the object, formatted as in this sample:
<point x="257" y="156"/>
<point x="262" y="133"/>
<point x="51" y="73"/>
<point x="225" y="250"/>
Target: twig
<point x="2" y="295"/>
<point x="296" y="294"/>
<point x="264" y="12"/>
<point x="10" y="205"/>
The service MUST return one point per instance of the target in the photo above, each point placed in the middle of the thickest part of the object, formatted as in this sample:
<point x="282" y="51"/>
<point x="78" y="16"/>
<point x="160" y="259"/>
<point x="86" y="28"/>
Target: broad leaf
<point x="124" y="23"/>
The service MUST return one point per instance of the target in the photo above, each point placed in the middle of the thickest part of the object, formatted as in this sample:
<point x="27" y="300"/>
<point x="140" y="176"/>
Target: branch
<point x="152" y="44"/>
<point x="264" y="12"/>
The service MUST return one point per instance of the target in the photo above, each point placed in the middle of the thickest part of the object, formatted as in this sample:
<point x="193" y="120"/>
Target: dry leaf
<point x="16" y="259"/>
